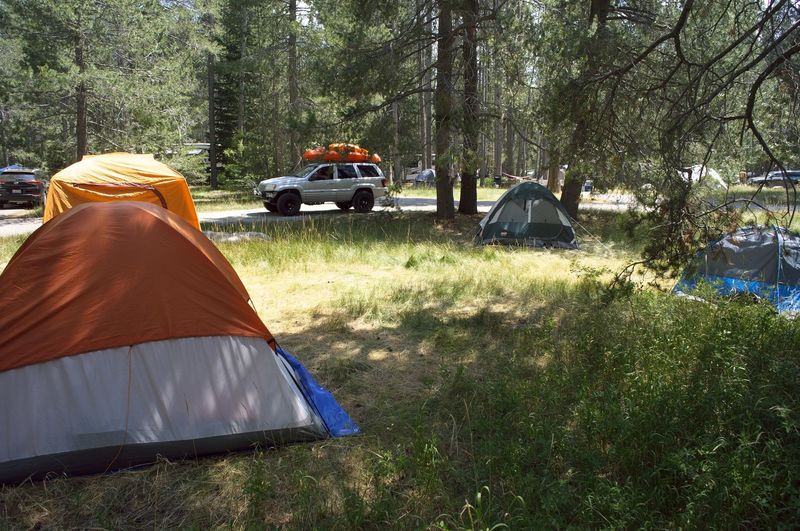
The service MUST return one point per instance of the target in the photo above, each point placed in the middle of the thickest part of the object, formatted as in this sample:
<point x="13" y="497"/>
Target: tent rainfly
<point x="528" y="214"/>
<point x="764" y="261"/>
<point x="138" y="340"/>
<point x="119" y="177"/>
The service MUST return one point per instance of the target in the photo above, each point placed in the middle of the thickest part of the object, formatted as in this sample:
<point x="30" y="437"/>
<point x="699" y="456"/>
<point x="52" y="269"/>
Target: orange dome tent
<point x="119" y="177"/>
<point x="124" y="335"/>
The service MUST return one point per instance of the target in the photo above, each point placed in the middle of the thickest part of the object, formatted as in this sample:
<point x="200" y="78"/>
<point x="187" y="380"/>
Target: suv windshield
<point x="305" y="172"/>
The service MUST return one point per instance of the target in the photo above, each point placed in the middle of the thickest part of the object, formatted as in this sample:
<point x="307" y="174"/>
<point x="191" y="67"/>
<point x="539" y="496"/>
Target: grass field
<point x="208" y="200"/>
<point x="486" y="193"/>
<point x="493" y="386"/>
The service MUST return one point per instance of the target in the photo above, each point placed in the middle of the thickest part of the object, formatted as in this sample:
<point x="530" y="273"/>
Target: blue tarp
<point x="336" y="419"/>
<point x="784" y="298"/>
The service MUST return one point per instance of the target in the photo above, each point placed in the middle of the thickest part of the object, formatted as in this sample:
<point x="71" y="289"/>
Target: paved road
<point x="11" y="224"/>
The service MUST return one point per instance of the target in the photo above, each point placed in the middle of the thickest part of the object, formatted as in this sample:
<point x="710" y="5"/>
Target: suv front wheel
<point x="363" y="201"/>
<point x="289" y="204"/>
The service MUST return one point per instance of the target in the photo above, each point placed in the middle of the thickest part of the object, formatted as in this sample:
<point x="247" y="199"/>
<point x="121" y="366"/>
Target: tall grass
<point x="485" y="193"/>
<point x="208" y="200"/>
<point x="9" y="246"/>
<point x="493" y="386"/>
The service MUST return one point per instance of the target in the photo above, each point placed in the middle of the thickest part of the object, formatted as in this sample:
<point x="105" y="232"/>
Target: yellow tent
<point x="120" y="177"/>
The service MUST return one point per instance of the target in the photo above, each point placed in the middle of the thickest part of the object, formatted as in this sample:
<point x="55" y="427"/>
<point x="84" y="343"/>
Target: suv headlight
<point x="266" y="187"/>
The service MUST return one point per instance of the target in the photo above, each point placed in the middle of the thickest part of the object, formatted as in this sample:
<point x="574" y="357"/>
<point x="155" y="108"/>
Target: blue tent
<point x="763" y="261"/>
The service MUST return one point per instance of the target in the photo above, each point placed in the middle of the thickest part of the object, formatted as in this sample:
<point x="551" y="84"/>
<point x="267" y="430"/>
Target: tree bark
<point x="278" y="142"/>
<point x="508" y="162"/>
<point x="3" y="137"/>
<point x="442" y="109"/>
<point x="522" y="147"/>
<point x="397" y="164"/>
<point x="468" y="203"/>
<point x="212" y="124"/>
<point x="294" y="92"/>
<point x="242" y="61"/>
<point x="542" y="160"/>
<point x="571" y="194"/>
<point x="553" y="173"/>
<point x="427" y="151"/>
<point x="80" y="98"/>
<point x="484" y="95"/>
<point x="421" y="109"/>
<point x="498" y="123"/>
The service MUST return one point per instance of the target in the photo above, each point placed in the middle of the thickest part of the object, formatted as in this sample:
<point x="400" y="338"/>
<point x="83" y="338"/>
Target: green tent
<point x="528" y="214"/>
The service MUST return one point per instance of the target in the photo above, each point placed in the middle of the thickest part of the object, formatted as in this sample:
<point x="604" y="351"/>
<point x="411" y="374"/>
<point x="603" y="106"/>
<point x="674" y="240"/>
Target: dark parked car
<point x="21" y="186"/>
<point x="775" y="178"/>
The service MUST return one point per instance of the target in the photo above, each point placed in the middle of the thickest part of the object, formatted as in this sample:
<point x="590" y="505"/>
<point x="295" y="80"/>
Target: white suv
<point x="348" y="185"/>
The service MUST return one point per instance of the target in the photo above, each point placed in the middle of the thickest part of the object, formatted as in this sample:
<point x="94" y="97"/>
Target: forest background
<point x="627" y="93"/>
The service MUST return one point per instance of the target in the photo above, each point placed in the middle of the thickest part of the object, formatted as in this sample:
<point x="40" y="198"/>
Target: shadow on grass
<point x="592" y="414"/>
<point x="646" y="412"/>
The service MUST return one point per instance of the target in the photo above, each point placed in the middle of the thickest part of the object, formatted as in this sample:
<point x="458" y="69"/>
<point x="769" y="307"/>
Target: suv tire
<point x="272" y="207"/>
<point x="363" y="201"/>
<point x="289" y="204"/>
<point x="344" y="205"/>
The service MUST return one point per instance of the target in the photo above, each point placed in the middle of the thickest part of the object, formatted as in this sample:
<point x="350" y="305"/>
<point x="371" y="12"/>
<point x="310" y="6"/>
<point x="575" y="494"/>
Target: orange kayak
<point x="341" y="153"/>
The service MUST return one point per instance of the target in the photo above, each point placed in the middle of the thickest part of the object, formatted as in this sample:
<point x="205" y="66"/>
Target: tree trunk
<point x="212" y="124"/>
<point x="442" y="109"/>
<point x="508" y="163"/>
<point x="469" y="192"/>
<point x="481" y="104"/>
<point x="542" y="158"/>
<point x="278" y="145"/>
<point x="498" y="123"/>
<point x="553" y="173"/>
<point x="522" y="144"/>
<point x="397" y="164"/>
<point x="3" y="137"/>
<point x="80" y="98"/>
<point x="242" y="53"/>
<point x="421" y="108"/>
<point x="571" y="194"/>
<point x="422" y="70"/>
<point x="294" y="92"/>
<point x="570" y="198"/>
<point x="427" y="151"/>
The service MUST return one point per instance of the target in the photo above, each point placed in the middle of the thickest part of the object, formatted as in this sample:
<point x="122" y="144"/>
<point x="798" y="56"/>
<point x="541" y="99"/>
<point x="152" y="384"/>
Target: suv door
<point x="320" y="185"/>
<point x="347" y="178"/>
